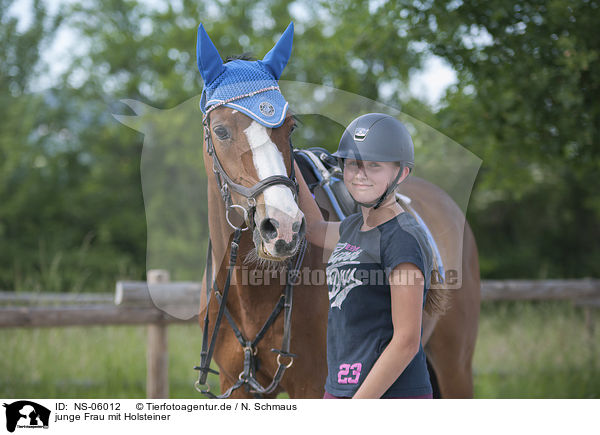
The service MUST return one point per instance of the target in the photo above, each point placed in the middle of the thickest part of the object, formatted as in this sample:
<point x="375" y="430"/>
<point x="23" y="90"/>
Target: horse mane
<point x="243" y="56"/>
<point x="437" y="300"/>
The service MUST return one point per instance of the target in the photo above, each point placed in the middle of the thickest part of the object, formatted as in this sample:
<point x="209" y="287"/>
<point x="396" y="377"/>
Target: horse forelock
<point x="243" y="56"/>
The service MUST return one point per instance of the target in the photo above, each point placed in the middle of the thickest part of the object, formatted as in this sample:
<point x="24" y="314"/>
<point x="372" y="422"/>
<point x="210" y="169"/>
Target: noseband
<point x="226" y="183"/>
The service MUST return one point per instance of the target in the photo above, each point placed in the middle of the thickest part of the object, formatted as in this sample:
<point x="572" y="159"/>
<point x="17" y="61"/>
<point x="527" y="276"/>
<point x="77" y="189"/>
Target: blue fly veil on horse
<point x="248" y="86"/>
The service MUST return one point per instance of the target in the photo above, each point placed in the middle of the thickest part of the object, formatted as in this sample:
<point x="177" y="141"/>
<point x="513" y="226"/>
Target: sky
<point x="429" y="84"/>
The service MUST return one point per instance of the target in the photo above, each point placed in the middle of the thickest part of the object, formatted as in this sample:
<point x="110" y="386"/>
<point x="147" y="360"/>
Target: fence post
<point x="590" y="326"/>
<point x="157" y="355"/>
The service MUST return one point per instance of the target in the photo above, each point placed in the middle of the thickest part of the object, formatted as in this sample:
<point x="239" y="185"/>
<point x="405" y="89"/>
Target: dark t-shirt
<point x="360" y="317"/>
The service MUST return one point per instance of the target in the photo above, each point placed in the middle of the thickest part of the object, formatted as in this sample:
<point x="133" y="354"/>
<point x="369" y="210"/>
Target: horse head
<point x="247" y="131"/>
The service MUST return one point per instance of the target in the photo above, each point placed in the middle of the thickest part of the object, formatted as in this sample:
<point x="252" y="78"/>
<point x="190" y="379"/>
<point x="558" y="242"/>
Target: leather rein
<point x="247" y="376"/>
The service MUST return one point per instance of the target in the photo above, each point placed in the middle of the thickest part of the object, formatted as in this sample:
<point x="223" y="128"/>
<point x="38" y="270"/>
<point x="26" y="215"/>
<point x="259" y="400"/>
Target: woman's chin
<point x="362" y="196"/>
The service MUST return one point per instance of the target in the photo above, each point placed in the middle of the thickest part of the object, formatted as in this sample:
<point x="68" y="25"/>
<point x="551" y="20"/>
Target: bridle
<point x="248" y="375"/>
<point x="226" y="183"/>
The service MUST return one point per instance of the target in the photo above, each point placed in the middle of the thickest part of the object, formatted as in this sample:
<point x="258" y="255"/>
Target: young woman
<point x="378" y="271"/>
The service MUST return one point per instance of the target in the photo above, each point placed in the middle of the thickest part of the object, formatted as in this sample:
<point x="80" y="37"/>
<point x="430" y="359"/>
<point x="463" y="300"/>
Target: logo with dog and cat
<point x="25" y="414"/>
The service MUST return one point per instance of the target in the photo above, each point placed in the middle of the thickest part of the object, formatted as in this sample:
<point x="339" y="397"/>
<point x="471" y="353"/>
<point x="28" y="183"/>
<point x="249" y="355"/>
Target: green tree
<point x="28" y="181"/>
<point x="528" y="102"/>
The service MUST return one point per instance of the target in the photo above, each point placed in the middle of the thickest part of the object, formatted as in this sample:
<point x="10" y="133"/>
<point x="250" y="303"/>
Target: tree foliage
<point x="527" y="102"/>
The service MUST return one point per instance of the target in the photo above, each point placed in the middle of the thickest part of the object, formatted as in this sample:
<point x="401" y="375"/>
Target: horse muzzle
<point x="278" y="238"/>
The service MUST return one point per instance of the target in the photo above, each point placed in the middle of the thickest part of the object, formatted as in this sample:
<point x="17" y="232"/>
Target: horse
<point x="257" y="238"/>
<point x="449" y="338"/>
<point x="247" y="165"/>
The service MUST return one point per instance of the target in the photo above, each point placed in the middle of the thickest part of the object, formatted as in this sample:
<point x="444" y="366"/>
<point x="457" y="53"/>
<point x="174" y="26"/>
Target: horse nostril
<point x="268" y="228"/>
<point x="282" y="247"/>
<point x="286" y="248"/>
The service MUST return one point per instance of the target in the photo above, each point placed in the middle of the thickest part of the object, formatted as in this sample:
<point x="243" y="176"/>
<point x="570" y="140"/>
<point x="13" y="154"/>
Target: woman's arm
<point x="318" y="231"/>
<point x="407" y="302"/>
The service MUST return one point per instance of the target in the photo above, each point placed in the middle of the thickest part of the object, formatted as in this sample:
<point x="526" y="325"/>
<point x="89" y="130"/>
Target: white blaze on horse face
<point x="268" y="161"/>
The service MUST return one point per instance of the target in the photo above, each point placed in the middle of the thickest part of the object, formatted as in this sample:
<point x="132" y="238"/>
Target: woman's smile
<point x="369" y="180"/>
<point x="362" y="186"/>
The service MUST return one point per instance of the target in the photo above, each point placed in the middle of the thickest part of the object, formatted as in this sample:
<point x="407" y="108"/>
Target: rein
<point x="248" y="375"/>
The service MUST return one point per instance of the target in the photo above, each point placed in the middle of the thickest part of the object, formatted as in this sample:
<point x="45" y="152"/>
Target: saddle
<point x="324" y="178"/>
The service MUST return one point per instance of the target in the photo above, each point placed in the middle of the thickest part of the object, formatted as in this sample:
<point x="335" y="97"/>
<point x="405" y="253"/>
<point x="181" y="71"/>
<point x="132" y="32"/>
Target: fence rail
<point x="578" y="290"/>
<point x="82" y="315"/>
<point x="132" y="304"/>
<point x="27" y="298"/>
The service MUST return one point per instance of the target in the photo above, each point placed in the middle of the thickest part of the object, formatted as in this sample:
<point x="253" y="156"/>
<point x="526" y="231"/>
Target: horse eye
<point x="221" y="132"/>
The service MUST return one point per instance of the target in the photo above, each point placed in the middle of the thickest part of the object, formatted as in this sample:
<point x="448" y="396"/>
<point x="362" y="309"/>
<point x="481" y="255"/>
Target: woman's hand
<point x="318" y="231"/>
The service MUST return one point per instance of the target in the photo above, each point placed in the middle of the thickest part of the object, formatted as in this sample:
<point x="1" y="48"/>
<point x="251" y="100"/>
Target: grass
<point x="536" y="350"/>
<point x="93" y="362"/>
<point x="524" y="350"/>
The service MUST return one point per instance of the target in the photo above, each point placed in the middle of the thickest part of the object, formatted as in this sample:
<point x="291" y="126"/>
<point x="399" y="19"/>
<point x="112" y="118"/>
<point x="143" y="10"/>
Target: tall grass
<point x="92" y="362"/>
<point x="536" y="350"/>
<point x="524" y="350"/>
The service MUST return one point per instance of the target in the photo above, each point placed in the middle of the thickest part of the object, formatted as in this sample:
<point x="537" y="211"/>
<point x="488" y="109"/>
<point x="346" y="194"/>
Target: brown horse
<point x="449" y="338"/>
<point x="250" y="305"/>
<point x="247" y="132"/>
<point x="275" y="234"/>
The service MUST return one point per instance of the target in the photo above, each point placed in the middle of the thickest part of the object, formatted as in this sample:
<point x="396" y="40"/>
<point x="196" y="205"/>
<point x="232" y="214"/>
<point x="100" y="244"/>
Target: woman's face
<point x="367" y="181"/>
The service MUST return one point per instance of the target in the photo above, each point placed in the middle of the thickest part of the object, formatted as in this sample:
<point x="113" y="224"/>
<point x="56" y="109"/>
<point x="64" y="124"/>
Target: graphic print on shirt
<point x="349" y="373"/>
<point x="342" y="281"/>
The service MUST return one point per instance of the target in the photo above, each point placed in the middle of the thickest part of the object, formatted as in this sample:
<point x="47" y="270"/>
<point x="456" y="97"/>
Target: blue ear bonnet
<point x="250" y="85"/>
<point x="241" y="77"/>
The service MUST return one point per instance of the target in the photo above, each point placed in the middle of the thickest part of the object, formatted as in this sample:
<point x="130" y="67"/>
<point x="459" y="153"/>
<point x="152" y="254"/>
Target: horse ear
<point x="209" y="61"/>
<point x="276" y="59"/>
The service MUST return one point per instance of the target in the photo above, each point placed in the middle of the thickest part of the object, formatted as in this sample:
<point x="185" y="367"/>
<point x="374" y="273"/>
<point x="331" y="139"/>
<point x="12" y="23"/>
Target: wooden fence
<point x="132" y="305"/>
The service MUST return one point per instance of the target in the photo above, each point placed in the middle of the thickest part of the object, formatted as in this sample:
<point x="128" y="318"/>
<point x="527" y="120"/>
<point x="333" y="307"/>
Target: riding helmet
<point x="377" y="137"/>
